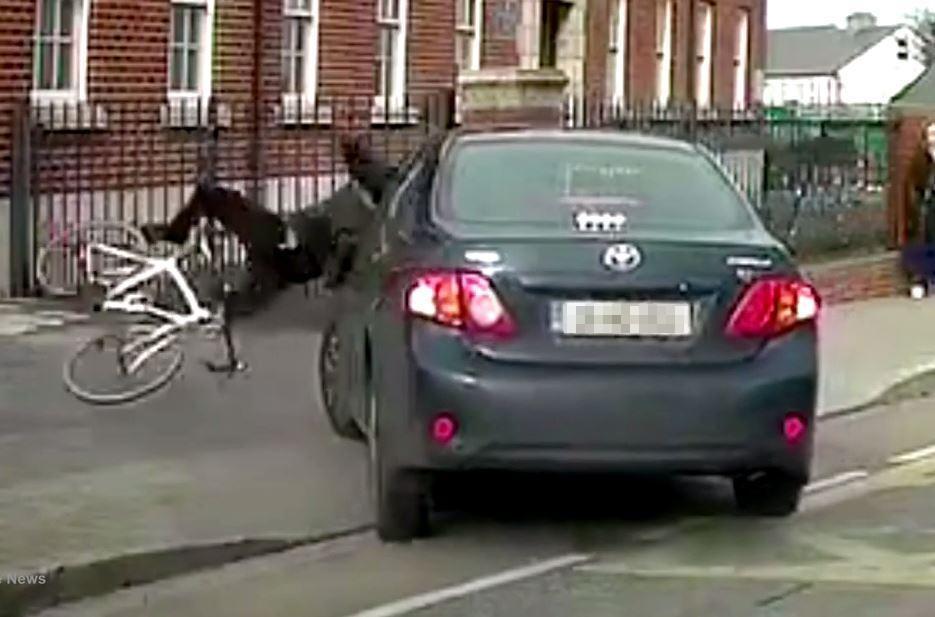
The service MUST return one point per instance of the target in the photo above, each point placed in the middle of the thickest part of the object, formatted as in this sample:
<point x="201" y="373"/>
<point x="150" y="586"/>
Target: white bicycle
<point x="148" y="354"/>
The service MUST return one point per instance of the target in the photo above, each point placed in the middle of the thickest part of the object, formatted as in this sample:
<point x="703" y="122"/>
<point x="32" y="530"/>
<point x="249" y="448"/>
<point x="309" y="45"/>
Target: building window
<point x="300" y="50"/>
<point x="61" y="49"/>
<point x="617" y="56"/>
<point x="704" y="53"/>
<point x="742" y="60"/>
<point x="190" y="48"/>
<point x="552" y="16"/>
<point x="664" y="53"/>
<point x="470" y="17"/>
<point x="391" y="53"/>
<point x="902" y="46"/>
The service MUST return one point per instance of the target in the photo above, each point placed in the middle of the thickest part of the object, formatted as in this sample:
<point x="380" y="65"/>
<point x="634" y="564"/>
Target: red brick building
<point x="120" y="102"/>
<point x="707" y="52"/>
<point x="84" y="52"/>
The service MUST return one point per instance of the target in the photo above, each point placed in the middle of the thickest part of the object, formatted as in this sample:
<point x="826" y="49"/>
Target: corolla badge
<point x="622" y="258"/>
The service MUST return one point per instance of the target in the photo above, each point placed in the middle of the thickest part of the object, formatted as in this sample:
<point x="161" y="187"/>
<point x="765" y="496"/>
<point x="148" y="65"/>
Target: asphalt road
<point x="864" y="545"/>
<point x="207" y="460"/>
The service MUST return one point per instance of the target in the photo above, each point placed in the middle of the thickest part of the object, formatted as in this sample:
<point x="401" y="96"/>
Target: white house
<point x="863" y="64"/>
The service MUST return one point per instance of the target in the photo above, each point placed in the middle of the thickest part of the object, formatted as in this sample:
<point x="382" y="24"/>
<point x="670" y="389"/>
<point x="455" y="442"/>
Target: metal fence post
<point x="21" y="221"/>
<point x="209" y="170"/>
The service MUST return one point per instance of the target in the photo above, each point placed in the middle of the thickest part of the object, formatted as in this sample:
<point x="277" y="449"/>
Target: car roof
<point x="618" y="137"/>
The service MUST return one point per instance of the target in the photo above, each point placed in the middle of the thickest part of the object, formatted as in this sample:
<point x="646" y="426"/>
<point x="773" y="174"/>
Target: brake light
<point x="772" y="306"/>
<point x="464" y="300"/>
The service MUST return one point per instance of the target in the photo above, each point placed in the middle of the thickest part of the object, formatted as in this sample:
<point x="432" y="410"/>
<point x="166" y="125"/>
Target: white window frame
<point x="664" y="51"/>
<point x="205" y="59"/>
<point x="78" y="92"/>
<point x="308" y="97"/>
<point x="617" y="46"/>
<point x="474" y="31"/>
<point x="704" y="72"/>
<point x="742" y="60"/>
<point x="401" y="26"/>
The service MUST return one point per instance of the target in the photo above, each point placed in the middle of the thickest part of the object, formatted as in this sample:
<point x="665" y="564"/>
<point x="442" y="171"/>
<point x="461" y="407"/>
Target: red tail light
<point x="464" y="300"/>
<point x="772" y="306"/>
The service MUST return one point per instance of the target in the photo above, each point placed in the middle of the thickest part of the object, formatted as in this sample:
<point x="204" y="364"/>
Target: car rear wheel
<point x="334" y="397"/>
<point x="400" y="497"/>
<point x="771" y="494"/>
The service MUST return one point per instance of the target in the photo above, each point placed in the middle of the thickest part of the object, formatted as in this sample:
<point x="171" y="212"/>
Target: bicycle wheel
<point x="102" y="372"/>
<point x="60" y="269"/>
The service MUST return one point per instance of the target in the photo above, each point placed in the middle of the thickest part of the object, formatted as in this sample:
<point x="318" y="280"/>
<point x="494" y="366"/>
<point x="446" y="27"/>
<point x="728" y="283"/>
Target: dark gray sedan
<point x="563" y="301"/>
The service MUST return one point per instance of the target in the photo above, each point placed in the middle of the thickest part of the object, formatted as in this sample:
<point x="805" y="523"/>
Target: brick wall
<point x="347" y="44"/>
<point x="15" y="72"/>
<point x="641" y="60"/>
<point x="127" y="49"/>
<point x="597" y="26"/>
<point x="861" y="278"/>
<point x="641" y="51"/>
<point x="727" y="18"/>
<point x="682" y="75"/>
<point x="431" y="45"/>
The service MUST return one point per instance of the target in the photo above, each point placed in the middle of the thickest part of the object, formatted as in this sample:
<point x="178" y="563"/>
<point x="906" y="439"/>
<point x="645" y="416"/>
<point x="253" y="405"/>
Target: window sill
<point x="394" y="116"/>
<point x="58" y="114"/>
<point x="303" y="113"/>
<point x="67" y="116"/>
<point x="182" y="112"/>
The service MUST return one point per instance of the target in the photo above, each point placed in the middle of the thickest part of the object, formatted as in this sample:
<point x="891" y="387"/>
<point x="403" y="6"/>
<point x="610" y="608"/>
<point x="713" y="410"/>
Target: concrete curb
<point x="66" y="584"/>
<point x="880" y="398"/>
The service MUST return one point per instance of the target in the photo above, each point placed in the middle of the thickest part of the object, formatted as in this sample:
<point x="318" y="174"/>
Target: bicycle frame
<point x="122" y="297"/>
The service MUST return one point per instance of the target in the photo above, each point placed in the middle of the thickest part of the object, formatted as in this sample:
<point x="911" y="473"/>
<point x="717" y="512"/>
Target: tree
<point x="924" y="22"/>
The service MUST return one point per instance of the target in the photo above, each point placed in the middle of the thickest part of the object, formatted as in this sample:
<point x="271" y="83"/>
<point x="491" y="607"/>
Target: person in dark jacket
<point x="308" y="244"/>
<point x="918" y="256"/>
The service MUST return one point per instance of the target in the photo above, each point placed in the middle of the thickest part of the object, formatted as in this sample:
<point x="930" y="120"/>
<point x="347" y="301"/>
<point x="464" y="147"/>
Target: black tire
<point x="771" y="494"/>
<point x="106" y="352"/>
<point x="400" y="497"/>
<point x="334" y="397"/>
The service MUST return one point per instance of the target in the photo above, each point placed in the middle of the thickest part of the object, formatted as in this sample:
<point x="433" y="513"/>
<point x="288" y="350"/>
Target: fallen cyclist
<point x="312" y="243"/>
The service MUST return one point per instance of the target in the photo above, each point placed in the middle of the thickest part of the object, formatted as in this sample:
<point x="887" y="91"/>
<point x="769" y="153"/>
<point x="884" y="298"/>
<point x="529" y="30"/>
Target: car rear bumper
<point x="694" y="420"/>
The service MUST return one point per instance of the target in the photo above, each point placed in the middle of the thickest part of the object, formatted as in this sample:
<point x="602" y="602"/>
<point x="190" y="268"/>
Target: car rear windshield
<point x="543" y="185"/>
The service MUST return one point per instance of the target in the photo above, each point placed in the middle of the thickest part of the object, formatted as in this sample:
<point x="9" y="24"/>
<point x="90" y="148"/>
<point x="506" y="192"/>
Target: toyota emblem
<point x="622" y="258"/>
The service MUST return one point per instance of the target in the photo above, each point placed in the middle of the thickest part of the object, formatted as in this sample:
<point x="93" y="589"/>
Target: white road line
<point x="913" y="455"/>
<point x="431" y="598"/>
<point x="836" y="480"/>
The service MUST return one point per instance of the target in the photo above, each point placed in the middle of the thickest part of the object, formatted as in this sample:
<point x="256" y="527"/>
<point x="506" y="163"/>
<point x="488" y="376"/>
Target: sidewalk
<point x="18" y="317"/>
<point x="868" y="347"/>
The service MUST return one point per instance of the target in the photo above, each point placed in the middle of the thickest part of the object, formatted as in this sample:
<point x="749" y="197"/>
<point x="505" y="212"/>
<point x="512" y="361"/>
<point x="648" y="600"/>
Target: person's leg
<point x="177" y="229"/>
<point x="254" y="289"/>
<point x="341" y="260"/>
<point x="257" y="228"/>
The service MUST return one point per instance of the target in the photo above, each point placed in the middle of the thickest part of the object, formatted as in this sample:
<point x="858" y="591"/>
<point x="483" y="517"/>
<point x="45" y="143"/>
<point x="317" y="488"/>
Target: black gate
<point x="136" y="161"/>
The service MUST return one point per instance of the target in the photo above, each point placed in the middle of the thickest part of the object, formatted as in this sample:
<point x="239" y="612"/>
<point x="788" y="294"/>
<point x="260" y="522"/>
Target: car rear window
<point x="542" y="186"/>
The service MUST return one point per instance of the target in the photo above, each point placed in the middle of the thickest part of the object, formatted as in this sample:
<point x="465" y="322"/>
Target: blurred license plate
<point x="656" y="319"/>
